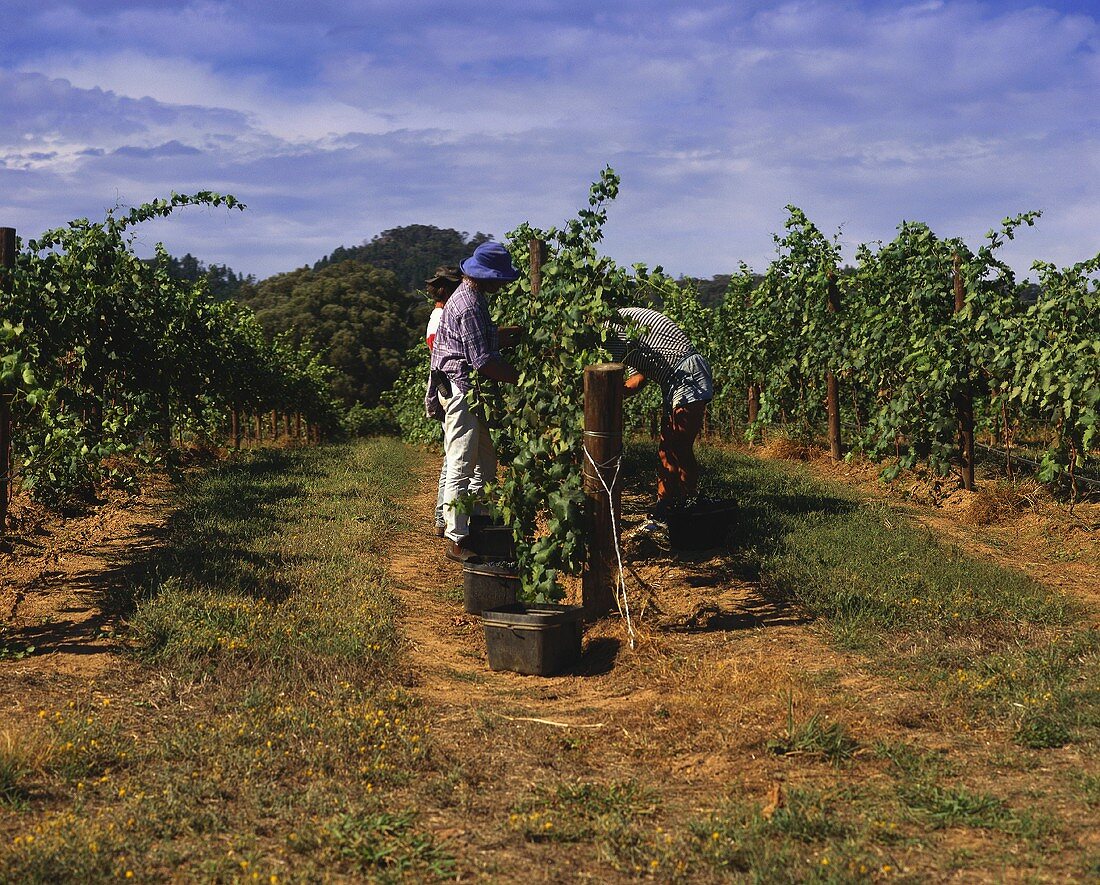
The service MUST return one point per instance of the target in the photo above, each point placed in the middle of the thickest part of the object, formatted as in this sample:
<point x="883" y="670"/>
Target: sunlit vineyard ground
<point x="837" y="696"/>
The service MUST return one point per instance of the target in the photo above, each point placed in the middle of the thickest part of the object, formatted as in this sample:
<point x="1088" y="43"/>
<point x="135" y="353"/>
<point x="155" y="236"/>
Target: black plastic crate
<point x="537" y="639"/>
<point x="492" y="542"/>
<point x="488" y="586"/>
<point x="703" y="525"/>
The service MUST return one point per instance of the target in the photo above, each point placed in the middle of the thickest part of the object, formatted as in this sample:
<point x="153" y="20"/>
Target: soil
<point x="57" y="579"/>
<point x="686" y="709"/>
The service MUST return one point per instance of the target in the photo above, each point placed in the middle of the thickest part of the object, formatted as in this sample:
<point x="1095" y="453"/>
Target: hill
<point x="411" y="252"/>
<point x="359" y="318"/>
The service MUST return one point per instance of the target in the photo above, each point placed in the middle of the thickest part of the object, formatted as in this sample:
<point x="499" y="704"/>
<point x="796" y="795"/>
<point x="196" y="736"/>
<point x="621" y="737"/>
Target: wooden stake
<point x="538" y="256"/>
<point x="963" y="397"/>
<point x="7" y="282"/>
<point x="603" y="440"/>
<point x="754" y="402"/>
<point x="832" y="395"/>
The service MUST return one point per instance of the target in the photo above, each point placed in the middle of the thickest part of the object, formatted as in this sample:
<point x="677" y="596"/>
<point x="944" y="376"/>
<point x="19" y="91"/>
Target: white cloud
<point x="340" y="120"/>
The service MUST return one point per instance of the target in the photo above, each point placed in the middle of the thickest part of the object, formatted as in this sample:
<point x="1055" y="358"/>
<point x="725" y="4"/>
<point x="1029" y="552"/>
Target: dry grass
<point x="997" y="502"/>
<point x="783" y="448"/>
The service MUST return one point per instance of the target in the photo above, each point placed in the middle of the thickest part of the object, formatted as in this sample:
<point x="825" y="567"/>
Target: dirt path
<point x="702" y="604"/>
<point x="687" y="711"/>
<point x="56" y="586"/>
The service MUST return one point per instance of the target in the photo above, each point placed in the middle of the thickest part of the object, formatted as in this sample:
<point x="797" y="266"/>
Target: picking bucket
<point x="534" y="639"/>
<point x="492" y="542"/>
<point x="487" y="586"/>
<point x="702" y="526"/>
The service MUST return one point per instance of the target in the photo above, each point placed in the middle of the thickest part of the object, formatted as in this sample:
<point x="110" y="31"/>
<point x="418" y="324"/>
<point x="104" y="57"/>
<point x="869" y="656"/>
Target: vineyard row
<point x="105" y="356"/>
<point x="918" y="346"/>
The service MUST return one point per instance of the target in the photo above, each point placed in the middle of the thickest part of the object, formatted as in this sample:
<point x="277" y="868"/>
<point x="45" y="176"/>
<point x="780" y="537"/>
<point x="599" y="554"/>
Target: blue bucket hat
<point x="490" y="261"/>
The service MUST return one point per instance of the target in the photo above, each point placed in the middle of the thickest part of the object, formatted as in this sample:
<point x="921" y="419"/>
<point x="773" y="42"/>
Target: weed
<point x="17" y="762"/>
<point x="87" y="741"/>
<point x="942" y="807"/>
<point x="12" y="650"/>
<point x="1090" y="789"/>
<point x="618" y="818"/>
<point x="912" y="763"/>
<point x="814" y="737"/>
<point x="801" y="840"/>
<point x="68" y="847"/>
<point x="389" y="843"/>
<point x="578" y="812"/>
<point x="1039" y="731"/>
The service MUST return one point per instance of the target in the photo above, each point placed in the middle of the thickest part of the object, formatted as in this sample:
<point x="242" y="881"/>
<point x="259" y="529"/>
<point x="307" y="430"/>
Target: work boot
<point x="459" y="553"/>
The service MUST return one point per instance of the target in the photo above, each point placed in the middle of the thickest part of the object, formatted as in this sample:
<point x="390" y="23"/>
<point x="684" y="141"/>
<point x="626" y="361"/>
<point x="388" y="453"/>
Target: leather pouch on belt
<point x="442" y="382"/>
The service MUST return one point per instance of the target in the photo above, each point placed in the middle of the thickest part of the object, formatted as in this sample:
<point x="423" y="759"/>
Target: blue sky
<point x="336" y="119"/>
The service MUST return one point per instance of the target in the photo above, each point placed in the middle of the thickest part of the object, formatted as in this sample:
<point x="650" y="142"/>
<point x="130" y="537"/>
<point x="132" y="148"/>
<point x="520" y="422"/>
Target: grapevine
<point x="115" y="352"/>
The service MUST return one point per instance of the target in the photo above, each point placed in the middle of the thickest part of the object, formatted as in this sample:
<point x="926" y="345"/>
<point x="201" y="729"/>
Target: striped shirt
<point x="466" y="339"/>
<point x="655" y="349"/>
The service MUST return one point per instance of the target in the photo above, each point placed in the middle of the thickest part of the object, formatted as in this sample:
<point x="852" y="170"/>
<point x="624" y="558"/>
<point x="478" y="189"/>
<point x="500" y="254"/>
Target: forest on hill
<point x="411" y="252"/>
<point x="359" y="307"/>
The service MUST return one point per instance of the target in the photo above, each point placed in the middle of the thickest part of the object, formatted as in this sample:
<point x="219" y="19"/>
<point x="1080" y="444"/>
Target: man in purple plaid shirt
<point x="467" y="341"/>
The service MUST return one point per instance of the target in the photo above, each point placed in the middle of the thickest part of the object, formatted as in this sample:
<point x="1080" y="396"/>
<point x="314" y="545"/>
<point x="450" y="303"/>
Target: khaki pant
<point x="471" y="460"/>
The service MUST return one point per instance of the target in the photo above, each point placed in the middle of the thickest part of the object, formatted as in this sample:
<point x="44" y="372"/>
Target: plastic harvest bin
<point x="537" y="639"/>
<point x="486" y="586"/>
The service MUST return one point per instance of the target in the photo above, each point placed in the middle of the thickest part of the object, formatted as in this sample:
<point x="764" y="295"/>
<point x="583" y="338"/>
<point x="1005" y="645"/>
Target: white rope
<point x="620" y="590"/>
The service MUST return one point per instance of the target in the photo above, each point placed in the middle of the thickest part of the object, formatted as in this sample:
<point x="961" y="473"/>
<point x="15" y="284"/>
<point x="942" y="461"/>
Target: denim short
<point x="691" y="382"/>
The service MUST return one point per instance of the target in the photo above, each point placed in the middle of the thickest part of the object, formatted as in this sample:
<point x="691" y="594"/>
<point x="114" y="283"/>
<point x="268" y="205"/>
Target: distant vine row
<point x="104" y="354"/>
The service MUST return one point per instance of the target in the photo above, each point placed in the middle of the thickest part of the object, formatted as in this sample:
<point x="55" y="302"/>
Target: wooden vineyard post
<point x="832" y="389"/>
<point x="7" y="263"/>
<point x="5" y="461"/>
<point x="298" y="425"/>
<point x="538" y="256"/>
<point x="963" y="397"/>
<point x="234" y="428"/>
<point x="603" y="440"/>
<point x="754" y="402"/>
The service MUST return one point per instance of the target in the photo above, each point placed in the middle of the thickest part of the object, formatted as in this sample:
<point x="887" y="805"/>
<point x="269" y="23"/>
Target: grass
<point x="263" y="730"/>
<point x="273" y="564"/>
<point x="264" y="737"/>
<point x="996" y="644"/>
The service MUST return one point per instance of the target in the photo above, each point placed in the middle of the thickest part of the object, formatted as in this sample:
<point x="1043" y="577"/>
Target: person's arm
<point x="497" y="369"/>
<point x="633" y="384"/>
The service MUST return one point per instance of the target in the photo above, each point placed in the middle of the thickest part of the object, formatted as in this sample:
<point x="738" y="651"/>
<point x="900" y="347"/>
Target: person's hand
<point x="509" y="336"/>
<point x="633" y="384"/>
